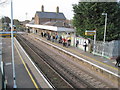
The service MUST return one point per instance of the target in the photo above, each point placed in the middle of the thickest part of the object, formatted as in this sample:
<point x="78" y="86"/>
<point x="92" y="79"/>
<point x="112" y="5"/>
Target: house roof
<point x="51" y="15"/>
<point x="32" y="22"/>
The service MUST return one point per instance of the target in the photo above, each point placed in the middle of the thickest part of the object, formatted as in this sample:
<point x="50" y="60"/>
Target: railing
<point x="109" y="49"/>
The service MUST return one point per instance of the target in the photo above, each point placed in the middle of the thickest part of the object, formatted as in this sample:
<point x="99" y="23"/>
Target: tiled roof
<point x="51" y="15"/>
<point x="32" y="22"/>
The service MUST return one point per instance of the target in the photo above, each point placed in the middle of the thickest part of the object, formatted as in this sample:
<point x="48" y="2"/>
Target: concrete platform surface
<point x="23" y="80"/>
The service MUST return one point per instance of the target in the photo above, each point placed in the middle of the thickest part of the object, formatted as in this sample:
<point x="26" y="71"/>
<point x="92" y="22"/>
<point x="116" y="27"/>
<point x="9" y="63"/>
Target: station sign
<point x="90" y="32"/>
<point x="98" y="0"/>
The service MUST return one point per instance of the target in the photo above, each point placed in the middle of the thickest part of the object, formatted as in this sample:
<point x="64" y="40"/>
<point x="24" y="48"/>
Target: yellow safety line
<point x="87" y="57"/>
<point x="27" y="69"/>
<point x="96" y="61"/>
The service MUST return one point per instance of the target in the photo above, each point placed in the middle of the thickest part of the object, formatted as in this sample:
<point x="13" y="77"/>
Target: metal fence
<point x="108" y="49"/>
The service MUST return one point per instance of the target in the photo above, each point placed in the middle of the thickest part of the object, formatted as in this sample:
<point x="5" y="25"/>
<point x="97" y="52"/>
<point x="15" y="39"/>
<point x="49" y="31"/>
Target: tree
<point x="5" y="22"/>
<point x="2" y="2"/>
<point x="16" y="22"/>
<point x="88" y="16"/>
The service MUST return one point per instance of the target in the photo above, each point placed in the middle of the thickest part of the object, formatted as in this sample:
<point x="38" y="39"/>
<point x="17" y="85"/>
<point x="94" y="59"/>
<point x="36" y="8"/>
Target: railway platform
<point x="107" y="66"/>
<point x="0" y="79"/>
<point x="103" y="62"/>
<point x="27" y="75"/>
<point x="22" y="78"/>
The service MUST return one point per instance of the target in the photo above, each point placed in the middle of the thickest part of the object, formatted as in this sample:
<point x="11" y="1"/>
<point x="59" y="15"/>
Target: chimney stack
<point x="57" y="9"/>
<point x="42" y="8"/>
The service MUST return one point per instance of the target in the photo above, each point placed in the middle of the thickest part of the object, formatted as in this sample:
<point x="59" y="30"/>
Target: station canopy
<point x="52" y="28"/>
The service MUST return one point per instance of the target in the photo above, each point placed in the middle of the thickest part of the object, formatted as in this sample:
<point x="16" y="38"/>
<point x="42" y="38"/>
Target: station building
<point x="50" y="22"/>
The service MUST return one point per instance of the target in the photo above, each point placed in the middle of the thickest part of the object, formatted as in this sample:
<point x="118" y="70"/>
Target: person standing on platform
<point x="53" y="38"/>
<point x="42" y="34"/>
<point x="60" y="39"/>
<point x="117" y="61"/>
<point x="64" y="42"/>
<point x="56" y="37"/>
<point x="77" y="42"/>
<point x="48" y="36"/>
<point x="89" y="45"/>
<point x="85" y="46"/>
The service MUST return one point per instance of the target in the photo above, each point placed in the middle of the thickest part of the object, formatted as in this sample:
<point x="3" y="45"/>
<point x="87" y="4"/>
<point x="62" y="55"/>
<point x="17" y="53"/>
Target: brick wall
<point x="37" y="20"/>
<point x="43" y="20"/>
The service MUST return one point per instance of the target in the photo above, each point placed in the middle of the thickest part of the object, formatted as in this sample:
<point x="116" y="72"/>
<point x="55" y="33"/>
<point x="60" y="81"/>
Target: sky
<point x="21" y="7"/>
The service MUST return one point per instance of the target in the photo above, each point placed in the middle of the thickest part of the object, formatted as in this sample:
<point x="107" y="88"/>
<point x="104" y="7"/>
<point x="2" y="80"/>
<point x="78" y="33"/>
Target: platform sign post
<point x="92" y="33"/>
<point x="12" y="44"/>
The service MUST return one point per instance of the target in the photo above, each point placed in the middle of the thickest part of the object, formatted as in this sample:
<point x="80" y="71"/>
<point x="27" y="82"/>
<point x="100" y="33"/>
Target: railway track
<point x="73" y="77"/>
<point x="51" y="75"/>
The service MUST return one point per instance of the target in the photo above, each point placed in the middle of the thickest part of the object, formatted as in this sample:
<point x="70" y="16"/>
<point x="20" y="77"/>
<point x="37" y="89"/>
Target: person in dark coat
<point x="48" y="36"/>
<point x="77" y="42"/>
<point x="42" y="34"/>
<point x="117" y="61"/>
<point x="53" y="38"/>
<point x="60" y="39"/>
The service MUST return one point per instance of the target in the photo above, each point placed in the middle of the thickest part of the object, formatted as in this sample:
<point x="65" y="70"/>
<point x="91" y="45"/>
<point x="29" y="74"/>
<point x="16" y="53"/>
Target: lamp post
<point x="94" y="42"/>
<point x="104" y="31"/>
<point x="12" y="44"/>
<point x="74" y="36"/>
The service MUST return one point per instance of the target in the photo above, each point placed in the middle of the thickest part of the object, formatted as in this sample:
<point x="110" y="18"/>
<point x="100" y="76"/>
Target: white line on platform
<point x="34" y="64"/>
<point x="114" y="62"/>
<point x="8" y="63"/>
<point x="79" y="57"/>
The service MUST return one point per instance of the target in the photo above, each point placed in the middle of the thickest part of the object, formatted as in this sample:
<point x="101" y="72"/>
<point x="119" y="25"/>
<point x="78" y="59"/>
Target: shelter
<point x="50" y="29"/>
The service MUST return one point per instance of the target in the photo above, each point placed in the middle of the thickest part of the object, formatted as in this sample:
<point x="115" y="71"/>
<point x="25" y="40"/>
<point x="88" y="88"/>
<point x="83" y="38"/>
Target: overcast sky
<point x="21" y="7"/>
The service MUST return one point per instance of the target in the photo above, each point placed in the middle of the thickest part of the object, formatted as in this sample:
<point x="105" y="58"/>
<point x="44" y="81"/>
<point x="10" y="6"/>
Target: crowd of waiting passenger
<point x="56" y="38"/>
<point x="66" y="42"/>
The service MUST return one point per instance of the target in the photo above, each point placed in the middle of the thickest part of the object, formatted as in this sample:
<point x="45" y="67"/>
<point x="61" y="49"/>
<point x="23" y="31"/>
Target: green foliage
<point x="5" y="22"/>
<point x="16" y="22"/>
<point x="88" y="16"/>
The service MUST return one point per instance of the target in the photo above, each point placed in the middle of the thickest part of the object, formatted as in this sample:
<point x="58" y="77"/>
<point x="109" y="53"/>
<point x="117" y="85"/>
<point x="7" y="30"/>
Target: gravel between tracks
<point x="47" y="71"/>
<point x="65" y="67"/>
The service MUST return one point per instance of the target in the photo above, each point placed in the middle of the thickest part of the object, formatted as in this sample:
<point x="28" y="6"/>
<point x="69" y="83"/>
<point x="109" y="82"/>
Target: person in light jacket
<point x="85" y="46"/>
